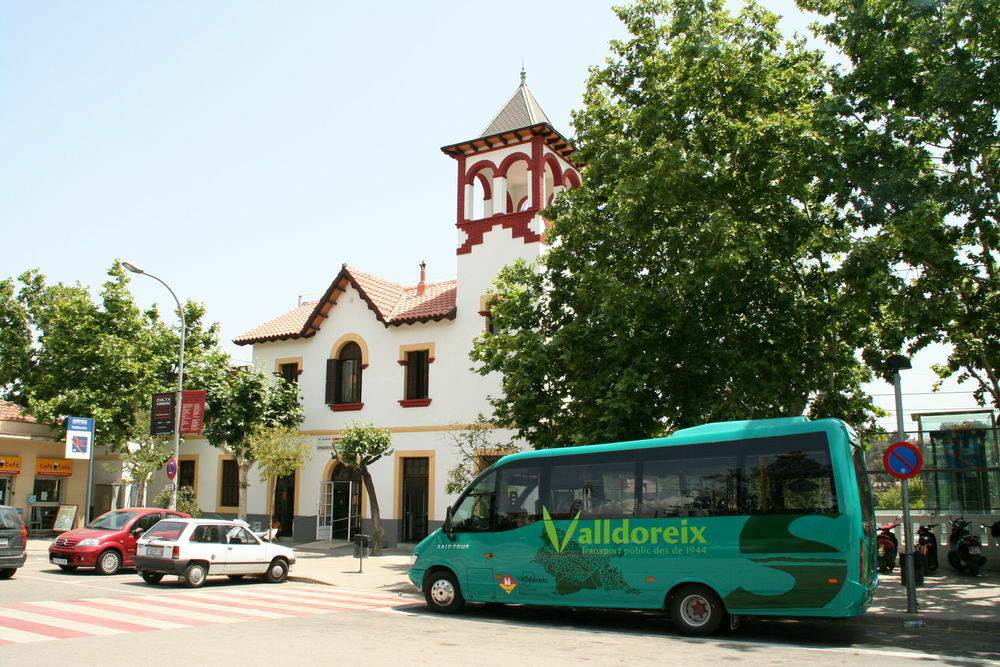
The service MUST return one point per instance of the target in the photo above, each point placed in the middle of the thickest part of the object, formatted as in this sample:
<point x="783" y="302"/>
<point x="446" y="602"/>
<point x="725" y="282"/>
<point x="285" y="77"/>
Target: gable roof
<point x="392" y="303"/>
<point x="9" y="412"/>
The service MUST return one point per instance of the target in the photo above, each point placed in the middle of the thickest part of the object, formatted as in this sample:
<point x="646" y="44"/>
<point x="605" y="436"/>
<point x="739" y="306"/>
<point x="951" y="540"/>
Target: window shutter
<point x="331" y="381"/>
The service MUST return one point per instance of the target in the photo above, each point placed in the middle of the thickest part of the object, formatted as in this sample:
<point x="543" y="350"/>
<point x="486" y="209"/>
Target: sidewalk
<point x="946" y="600"/>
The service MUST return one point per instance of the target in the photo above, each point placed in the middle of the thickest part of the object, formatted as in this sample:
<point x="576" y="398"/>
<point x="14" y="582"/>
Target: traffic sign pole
<point x="909" y="574"/>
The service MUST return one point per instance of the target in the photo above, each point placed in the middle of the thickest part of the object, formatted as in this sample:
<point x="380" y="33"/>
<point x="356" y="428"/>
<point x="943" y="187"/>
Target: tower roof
<point x="522" y="110"/>
<point x="518" y="120"/>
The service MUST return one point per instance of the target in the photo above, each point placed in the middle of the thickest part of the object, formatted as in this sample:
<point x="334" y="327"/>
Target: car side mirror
<point x="137" y="531"/>
<point x="448" y="529"/>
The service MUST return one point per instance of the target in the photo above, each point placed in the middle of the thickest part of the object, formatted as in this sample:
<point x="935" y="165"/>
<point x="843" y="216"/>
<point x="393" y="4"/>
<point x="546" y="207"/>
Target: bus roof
<point x="712" y="432"/>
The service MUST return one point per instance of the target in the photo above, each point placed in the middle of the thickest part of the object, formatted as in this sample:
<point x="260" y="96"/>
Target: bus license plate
<point x="60" y="561"/>
<point x="975" y="550"/>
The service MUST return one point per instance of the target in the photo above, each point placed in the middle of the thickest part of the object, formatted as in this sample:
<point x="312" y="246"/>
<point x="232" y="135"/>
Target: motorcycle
<point x="965" y="550"/>
<point x="927" y="544"/>
<point x="888" y="547"/>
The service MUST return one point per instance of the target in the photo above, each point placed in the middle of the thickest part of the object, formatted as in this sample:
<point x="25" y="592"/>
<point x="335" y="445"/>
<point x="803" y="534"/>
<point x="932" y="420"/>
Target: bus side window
<point x="690" y="487"/>
<point x="790" y="481"/>
<point x="517" y="500"/>
<point x="602" y="489"/>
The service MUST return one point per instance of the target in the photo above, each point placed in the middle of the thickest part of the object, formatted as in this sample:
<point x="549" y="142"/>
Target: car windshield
<point x="112" y="520"/>
<point x="164" y="530"/>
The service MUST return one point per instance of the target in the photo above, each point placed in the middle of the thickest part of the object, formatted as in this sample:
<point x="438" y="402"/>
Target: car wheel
<point x="697" y="610"/>
<point x="109" y="562"/>
<point x="277" y="571"/>
<point x="7" y="572"/>
<point x="235" y="577"/>
<point x="443" y="593"/>
<point x="67" y="568"/>
<point x="194" y="575"/>
<point x="151" y="577"/>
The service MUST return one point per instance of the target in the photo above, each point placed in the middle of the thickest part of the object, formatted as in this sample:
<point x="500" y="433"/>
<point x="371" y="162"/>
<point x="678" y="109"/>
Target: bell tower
<point x="506" y="176"/>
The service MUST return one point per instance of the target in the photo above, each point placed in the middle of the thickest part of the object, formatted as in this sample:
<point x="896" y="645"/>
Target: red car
<point x="108" y="543"/>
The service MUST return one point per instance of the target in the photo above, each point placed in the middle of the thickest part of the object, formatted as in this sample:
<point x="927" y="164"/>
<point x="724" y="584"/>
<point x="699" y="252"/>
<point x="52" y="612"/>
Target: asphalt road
<point x="50" y="617"/>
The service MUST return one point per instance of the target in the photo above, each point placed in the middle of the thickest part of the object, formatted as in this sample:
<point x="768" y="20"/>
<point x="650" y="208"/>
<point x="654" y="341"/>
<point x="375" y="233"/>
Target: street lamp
<point x="180" y="377"/>
<point x="897" y="363"/>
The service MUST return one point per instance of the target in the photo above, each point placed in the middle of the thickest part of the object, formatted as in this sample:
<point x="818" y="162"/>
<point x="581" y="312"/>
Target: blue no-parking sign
<point x="903" y="460"/>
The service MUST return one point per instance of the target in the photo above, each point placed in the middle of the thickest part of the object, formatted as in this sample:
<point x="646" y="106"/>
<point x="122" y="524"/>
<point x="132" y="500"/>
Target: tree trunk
<point x="244" y="467"/>
<point x="376" y="517"/>
<point x="270" y="490"/>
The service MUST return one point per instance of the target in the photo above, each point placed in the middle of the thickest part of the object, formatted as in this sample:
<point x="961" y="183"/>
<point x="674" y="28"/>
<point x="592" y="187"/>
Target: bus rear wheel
<point x="697" y="610"/>
<point x="443" y="593"/>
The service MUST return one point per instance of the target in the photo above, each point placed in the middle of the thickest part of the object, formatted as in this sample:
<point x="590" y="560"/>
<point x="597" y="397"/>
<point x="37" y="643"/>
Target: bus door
<point x="468" y="551"/>
<point x="517" y="572"/>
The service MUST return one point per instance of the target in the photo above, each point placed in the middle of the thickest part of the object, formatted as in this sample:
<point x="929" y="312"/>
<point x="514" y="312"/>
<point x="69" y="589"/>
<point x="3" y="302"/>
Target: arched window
<point x="343" y="376"/>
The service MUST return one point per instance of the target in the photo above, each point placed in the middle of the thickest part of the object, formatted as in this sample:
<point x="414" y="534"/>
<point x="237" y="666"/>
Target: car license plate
<point x="60" y="561"/>
<point x="4" y="541"/>
<point x="154" y="551"/>
<point x="975" y="550"/>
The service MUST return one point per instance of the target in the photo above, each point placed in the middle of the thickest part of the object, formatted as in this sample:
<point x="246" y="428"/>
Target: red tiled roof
<point x="280" y="328"/>
<point x="13" y="413"/>
<point x="393" y="305"/>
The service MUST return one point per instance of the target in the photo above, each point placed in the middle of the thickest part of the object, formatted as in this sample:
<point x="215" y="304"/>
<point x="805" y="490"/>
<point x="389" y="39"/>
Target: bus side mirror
<point x="448" y="530"/>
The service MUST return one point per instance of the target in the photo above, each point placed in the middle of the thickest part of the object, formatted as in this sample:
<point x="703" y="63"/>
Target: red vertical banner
<point x="192" y="411"/>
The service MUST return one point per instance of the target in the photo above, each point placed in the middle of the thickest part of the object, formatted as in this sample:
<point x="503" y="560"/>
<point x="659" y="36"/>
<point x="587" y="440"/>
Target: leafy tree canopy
<point x="694" y="276"/>
<point x="62" y="353"/>
<point x="922" y="98"/>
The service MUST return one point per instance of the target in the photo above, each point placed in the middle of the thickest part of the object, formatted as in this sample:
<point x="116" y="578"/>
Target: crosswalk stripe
<point x="155" y="620"/>
<point x="184" y="611"/>
<point x="40" y="628"/>
<point x="68" y="624"/>
<point x="25" y="622"/>
<point x="201" y="604"/>
<point x="90" y="619"/>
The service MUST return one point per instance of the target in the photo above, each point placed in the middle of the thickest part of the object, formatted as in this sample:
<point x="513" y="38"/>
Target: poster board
<point x="65" y="518"/>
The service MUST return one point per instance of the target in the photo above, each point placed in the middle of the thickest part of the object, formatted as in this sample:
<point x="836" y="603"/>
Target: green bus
<point x="763" y="517"/>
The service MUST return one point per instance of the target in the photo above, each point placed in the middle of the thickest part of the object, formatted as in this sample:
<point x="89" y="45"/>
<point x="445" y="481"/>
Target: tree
<point x="476" y="451"/>
<point x="62" y="353"/>
<point x="139" y="462"/>
<point x="277" y="451"/>
<point x="694" y="276"/>
<point x="922" y="97"/>
<point x="358" y="448"/>
<point x="243" y="401"/>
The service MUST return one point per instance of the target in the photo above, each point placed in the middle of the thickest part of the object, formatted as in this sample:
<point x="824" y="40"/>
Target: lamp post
<point x="896" y="363"/>
<point x="180" y="377"/>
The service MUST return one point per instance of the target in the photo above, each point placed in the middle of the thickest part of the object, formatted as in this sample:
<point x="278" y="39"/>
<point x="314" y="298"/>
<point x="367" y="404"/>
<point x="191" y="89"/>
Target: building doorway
<point x="339" y="515"/>
<point x="416" y="473"/>
<point x="284" y="504"/>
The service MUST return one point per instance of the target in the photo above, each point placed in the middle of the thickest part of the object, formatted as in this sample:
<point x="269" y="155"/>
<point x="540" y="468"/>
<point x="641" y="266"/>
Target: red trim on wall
<point x="363" y="366"/>
<point x="511" y="159"/>
<point x="474" y="170"/>
<point x="345" y="407"/>
<point x="572" y="179"/>
<point x="401" y="362"/>
<point x="415" y="402"/>
<point x="461" y="188"/>
<point x="537" y="174"/>
<point x="552" y="162"/>
<point x="487" y="187"/>
<point x="518" y="222"/>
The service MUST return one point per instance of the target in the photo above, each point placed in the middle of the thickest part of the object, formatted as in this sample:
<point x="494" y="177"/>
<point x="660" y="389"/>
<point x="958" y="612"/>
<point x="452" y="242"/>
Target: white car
<point x="194" y="549"/>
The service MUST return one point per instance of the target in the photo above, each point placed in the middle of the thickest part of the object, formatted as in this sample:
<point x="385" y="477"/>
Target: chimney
<point x="422" y="285"/>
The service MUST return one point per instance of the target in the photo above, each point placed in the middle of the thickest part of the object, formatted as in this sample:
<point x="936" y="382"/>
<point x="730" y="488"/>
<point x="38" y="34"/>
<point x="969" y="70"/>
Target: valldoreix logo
<point x="620" y="532"/>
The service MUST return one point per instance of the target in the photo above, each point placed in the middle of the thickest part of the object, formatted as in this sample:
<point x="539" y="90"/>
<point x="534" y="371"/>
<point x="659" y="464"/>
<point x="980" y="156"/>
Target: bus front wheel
<point x="443" y="593"/>
<point x="696" y="610"/>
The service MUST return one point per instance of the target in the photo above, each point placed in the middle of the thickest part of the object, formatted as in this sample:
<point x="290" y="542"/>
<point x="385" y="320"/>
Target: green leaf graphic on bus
<point x="550" y="529"/>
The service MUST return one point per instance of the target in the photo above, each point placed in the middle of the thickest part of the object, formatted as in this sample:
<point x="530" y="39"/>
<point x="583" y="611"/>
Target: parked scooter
<point x="965" y="552"/>
<point x="888" y="547"/>
<point x="927" y="544"/>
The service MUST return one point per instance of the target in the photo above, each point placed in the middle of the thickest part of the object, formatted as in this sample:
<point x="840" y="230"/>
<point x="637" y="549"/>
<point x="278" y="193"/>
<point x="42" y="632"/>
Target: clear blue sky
<point x="242" y="151"/>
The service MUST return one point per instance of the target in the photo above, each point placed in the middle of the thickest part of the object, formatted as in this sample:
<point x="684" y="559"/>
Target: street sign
<point x="903" y="460"/>
<point x="169" y="486"/>
<point x="171" y="468"/>
<point x="79" y="437"/>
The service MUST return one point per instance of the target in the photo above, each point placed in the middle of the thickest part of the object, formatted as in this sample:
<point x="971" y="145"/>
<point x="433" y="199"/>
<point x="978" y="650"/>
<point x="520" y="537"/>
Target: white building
<point x="372" y="351"/>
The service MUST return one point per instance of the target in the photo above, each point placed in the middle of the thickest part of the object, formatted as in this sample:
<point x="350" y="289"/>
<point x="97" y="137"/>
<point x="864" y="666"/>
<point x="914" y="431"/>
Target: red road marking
<point x="42" y="629"/>
<point x="148" y="614"/>
<point x="83" y="618"/>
